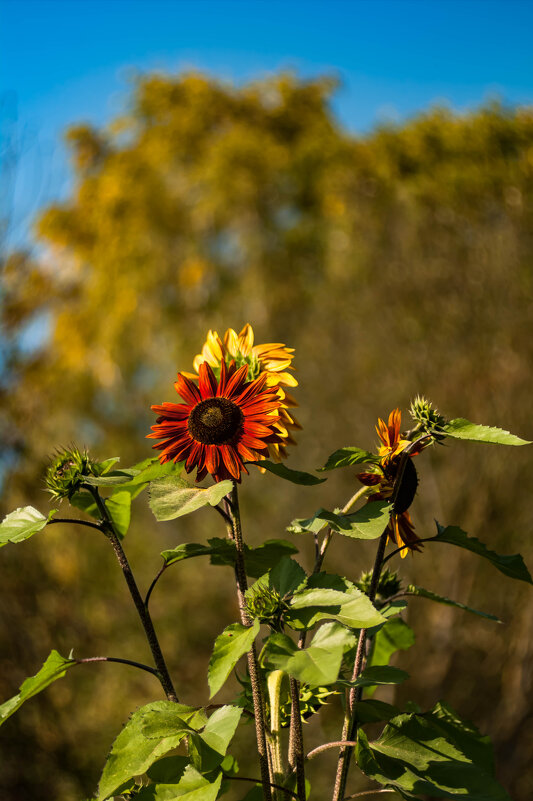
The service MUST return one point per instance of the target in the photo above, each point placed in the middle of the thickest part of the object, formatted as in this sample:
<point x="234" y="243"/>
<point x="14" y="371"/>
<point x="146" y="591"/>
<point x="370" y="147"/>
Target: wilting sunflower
<point x="221" y="424"/>
<point x="401" y="529"/>
<point x="273" y="359"/>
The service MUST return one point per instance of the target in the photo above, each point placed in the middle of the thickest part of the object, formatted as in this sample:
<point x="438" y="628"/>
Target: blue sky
<point x="63" y="61"/>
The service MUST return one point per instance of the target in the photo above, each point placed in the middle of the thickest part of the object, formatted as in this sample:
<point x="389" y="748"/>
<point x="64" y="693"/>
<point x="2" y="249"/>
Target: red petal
<point x="212" y="458"/>
<point x="188" y="391"/>
<point x="232" y="461"/>
<point x="207" y="381"/>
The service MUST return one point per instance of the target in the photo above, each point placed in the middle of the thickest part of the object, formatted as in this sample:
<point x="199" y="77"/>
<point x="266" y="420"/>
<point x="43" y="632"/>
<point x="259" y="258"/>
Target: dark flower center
<point x="215" y="421"/>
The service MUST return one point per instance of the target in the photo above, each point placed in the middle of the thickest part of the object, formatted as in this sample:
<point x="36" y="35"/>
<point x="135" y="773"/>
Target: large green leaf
<point x="191" y="787"/>
<point x="346" y="457"/>
<point x="150" y="733"/>
<point x="208" y="748"/>
<point x="173" y="497"/>
<point x="54" y="668"/>
<point x="22" y="524"/>
<point x="512" y="566"/>
<point x="433" y="754"/>
<point x="222" y="551"/>
<point x="379" y="674"/>
<point x="368" y="523"/>
<point x="319" y="664"/>
<point x="295" y="476"/>
<point x="464" y="429"/>
<point x="412" y="589"/>
<point x="394" y="636"/>
<point x="331" y="597"/>
<point x="372" y="711"/>
<point x="235" y="641"/>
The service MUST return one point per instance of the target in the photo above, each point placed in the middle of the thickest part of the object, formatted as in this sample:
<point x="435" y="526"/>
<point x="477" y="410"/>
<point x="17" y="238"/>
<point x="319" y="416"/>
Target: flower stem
<point x="144" y="615"/>
<point x="349" y="730"/>
<point x="253" y="667"/>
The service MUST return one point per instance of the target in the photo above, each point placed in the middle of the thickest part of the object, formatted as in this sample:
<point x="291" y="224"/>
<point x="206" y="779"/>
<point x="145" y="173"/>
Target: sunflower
<point x="400" y="529"/>
<point x="221" y="423"/>
<point x="273" y="359"/>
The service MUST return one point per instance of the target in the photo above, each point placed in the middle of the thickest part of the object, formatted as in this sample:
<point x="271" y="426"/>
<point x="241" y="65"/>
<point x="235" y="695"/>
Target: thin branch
<point x="77" y="522"/>
<point x="338" y="744"/>
<point x="154" y="582"/>
<point x="367" y="792"/>
<point x="397" y="550"/>
<point x="221" y="512"/>
<point x="139" y="665"/>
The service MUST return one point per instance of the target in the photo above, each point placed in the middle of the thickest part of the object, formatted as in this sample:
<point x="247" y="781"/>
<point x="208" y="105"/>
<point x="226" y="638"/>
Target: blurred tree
<point x="396" y="263"/>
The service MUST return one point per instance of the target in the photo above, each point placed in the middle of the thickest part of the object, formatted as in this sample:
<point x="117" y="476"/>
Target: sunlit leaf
<point x="464" y="429"/>
<point x="368" y="523"/>
<point x="191" y="787"/>
<point x="346" y="457"/>
<point x="173" y="497"/>
<point x="22" y="524"/>
<point x="208" y="748"/>
<point x="54" y="668"/>
<point x="319" y="663"/>
<point x="330" y="597"/>
<point x="235" y="641"/>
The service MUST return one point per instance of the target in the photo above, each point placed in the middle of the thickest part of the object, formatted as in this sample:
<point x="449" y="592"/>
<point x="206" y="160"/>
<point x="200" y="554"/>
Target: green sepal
<point x="295" y="476"/>
<point x="420" y="592"/>
<point x="435" y="754"/>
<point x="464" y="429"/>
<point x="318" y="664"/>
<point x="54" y="668"/>
<point x="346" y="457"/>
<point x="512" y="565"/>
<point x="172" y="497"/>
<point x="368" y="523"/>
<point x="22" y="524"/>
<point x="235" y="641"/>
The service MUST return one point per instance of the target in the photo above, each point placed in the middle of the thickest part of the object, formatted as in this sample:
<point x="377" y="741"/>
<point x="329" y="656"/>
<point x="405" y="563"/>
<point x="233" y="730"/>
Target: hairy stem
<point x="89" y="660"/>
<point x="253" y="667"/>
<point x="144" y="615"/>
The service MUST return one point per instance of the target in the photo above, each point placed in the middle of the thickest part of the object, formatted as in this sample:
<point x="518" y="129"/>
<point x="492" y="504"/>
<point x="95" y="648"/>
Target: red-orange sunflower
<point x="220" y="425"/>
<point x="401" y="528"/>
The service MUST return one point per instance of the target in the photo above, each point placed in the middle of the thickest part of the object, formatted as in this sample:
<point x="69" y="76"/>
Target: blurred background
<point x="353" y="178"/>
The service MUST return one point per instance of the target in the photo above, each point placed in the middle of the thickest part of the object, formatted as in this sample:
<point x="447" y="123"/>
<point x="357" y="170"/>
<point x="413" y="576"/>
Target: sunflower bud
<point x="427" y="416"/>
<point x="66" y="473"/>
<point x="266" y="605"/>
<point x="389" y="584"/>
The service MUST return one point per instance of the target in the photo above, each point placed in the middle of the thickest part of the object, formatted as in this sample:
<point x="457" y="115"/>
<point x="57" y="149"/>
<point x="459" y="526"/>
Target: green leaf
<point x="208" y="749"/>
<point x="433" y="754"/>
<point x="373" y="711"/>
<point x="317" y="665"/>
<point x="394" y="636"/>
<point x="368" y="523"/>
<point x="173" y="497"/>
<point x="330" y="597"/>
<point x="464" y="429"/>
<point x="152" y="469"/>
<point x="235" y="641"/>
<point x="286" y="576"/>
<point x="422" y="593"/>
<point x="222" y="551"/>
<point x="54" y="668"/>
<point x="512" y="566"/>
<point x="168" y="770"/>
<point x="150" y="733"/>
<point x="349" y="456"/>
<point x="22" y="524"/>
<point x="380" y="674"/>
<point x="111" y="479"/>
<point x="191" y="787"/>
<point x="296" y="476"/>
<point x="119" y="508"/>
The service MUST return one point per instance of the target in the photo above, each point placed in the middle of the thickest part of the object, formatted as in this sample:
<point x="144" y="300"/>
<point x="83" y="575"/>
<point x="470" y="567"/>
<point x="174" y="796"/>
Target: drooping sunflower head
<point x="221" y="424"/>
<point x="272" y="359"/>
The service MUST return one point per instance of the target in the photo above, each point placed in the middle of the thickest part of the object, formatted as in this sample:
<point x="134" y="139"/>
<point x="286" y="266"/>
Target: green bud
<point x="426" y="415"/>
<point x="66" y="473"/>
<point x="265" y="604"/>
<point x="389" y="584"/>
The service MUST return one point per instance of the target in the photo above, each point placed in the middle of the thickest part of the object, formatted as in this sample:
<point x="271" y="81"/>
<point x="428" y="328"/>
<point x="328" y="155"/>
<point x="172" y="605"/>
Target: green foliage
<point x="512" y="566"/>
<point x="22" y="524"/>
<point x="464" y="429"/>
<point x="191" y="787"/>
<point x="433" y="754"/>
<point x="172" y="497"/>
<point x="331" y="597"/>
<point x="257" y="560"/>
<point x="411" y="589"/>
<point x="377" y="674"/>
<point x="234" y="642"/>
<point x="316" y="665"/>
<point x="54" y="668"/>
<point x="349" y="456"/>
<point x="294" y="476"/>
<point x="368" y="523"/>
